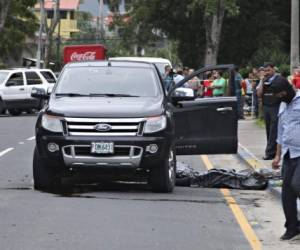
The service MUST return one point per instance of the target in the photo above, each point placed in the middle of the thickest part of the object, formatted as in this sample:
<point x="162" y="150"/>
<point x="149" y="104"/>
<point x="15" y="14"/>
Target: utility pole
<point x="294" y="34"/>
<point x="101" y="20"/>
<point x="58" y="41"/>
<point x="39" y="49"/>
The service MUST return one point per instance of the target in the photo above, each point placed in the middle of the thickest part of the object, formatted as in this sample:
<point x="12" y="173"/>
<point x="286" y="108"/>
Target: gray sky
<point x="92" y="6"/>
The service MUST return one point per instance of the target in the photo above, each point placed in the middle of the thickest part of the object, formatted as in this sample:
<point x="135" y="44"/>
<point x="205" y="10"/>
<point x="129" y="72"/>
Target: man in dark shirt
<point x="265" y="90"/>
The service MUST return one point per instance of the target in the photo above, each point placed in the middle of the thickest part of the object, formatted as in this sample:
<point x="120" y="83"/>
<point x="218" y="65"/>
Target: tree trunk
<point x="213" y="26"/>
<point x="49" y="32"/>
<point x="4" y="7"/>
<point x="294" y="35"/>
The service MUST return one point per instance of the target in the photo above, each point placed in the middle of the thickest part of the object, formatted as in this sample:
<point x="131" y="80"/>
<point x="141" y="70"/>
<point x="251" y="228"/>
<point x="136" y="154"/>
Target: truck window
<point x="48" y="76"/>
<point x="33" y="78"/>
<point x="110" y="80"/>
<point x="16" y="79"/>
<point x="3" y="76"/>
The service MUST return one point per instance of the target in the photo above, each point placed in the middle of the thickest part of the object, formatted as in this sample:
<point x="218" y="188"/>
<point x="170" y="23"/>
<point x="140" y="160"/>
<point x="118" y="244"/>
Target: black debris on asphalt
<point x="247" y="179"/>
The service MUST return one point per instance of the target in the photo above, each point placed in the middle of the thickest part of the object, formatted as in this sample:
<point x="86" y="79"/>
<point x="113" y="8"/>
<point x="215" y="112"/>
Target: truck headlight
<point x="155" y="124"/>
<point x="52" y="123"/>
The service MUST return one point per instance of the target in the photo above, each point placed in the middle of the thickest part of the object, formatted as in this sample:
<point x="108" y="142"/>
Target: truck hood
<point x="107" y="107"/>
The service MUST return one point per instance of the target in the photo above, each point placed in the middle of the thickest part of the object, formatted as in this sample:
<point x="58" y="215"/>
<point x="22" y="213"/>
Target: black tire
<point x="30" y="111"/>
<point x="41" y="105"/>
<point x="183" y="182"/>
<point x="15" y="112"/>
<point x="162" y="179"/>
<point x="2" y="108"/>
<point x="45" y="177"/>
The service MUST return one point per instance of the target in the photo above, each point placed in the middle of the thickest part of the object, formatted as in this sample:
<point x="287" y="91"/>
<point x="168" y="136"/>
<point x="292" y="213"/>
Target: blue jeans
<point x="290" y="191"/>
<point x="240" y="110"/>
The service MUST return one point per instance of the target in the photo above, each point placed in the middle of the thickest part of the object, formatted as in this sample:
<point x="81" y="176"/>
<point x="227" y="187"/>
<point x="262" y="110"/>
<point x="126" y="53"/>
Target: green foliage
<point x="261" y="28"/>
<point x="20" y="24"/>
<point x="249" y="28"/>
<point x="270" y="55"/>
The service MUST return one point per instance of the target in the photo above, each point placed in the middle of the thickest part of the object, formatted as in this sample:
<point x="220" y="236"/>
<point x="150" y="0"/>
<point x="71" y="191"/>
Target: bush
<point x="2" y="66"/>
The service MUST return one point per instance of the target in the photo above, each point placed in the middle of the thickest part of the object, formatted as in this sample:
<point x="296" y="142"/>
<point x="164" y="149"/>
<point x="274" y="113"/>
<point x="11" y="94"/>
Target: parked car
<point x="113" y="120"/>
<point x="16" y="86"/>
<point x="159" y="62"/>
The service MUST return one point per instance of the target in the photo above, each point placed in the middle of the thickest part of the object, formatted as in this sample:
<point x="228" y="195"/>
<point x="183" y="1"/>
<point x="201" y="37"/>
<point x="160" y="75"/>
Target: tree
<point x="49" y="29"/>
<point x="260" y="31"/>
<point x="4" y="7"/>
<point x="194" y="24"/>
<point x="214" y="14"/>
<point x="295" y="34"/>
<point x="20" y="23"/>
<point x="212" y="31"/>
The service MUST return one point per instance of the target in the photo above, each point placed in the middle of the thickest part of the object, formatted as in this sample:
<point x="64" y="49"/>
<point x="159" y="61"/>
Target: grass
<point x="260" y="123"/>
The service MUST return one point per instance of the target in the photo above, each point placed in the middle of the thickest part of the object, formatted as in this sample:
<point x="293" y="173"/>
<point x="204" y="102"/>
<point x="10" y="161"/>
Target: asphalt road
<point x="127" y="217"/>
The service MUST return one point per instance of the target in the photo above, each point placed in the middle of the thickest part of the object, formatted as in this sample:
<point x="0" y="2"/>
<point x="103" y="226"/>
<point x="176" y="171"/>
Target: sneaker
<point x="268" y="157"/>
<point x="290" y="234"/>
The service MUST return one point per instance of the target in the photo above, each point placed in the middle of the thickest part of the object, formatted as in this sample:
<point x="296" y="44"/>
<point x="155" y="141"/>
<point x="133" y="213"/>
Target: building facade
<point x="68" y="23"/>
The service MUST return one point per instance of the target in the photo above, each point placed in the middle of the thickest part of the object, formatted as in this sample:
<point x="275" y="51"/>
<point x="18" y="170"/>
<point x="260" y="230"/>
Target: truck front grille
<point x="84" y="152"/>
<point x="104" y="127"/>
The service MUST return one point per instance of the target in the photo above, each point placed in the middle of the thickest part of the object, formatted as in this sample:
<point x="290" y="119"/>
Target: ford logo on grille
<point x="102" y="127"/>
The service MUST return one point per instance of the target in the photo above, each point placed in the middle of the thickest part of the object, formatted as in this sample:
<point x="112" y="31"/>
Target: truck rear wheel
<point x="15" y="112"/>
<point x="2" y="109"/>
<point x="162" y="178"/>
<point x="45" y="177"/>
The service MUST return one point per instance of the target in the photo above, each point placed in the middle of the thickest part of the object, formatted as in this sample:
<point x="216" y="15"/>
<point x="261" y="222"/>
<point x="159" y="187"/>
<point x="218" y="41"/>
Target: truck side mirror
<point x="49" y="90"/>
<point x="183" y="94"/>
<point x="39" y="93"/>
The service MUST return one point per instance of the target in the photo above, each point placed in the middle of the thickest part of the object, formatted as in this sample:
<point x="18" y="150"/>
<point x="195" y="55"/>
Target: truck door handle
<point x="224" y="109"/>
<point x="21" y="89"/>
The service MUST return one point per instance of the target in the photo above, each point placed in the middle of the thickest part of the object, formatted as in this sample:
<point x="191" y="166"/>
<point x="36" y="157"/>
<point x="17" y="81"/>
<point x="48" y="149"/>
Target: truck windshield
<point x="108" y="81"/>
<point x="3" y="76"/>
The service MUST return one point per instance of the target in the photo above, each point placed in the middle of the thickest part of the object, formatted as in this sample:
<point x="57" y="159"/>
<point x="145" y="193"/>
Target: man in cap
<point x="288" y="148"/>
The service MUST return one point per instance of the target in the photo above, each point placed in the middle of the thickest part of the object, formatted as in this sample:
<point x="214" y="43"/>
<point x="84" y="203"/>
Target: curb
<point x="251" y="161"/>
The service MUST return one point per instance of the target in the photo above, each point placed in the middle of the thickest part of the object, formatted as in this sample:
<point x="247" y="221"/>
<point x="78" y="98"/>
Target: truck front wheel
<point x="45" y="177"/>
<point x="162" y="178"/>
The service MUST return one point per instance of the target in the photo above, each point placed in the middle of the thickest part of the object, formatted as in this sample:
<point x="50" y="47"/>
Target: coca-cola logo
<point x="87" y="56"/>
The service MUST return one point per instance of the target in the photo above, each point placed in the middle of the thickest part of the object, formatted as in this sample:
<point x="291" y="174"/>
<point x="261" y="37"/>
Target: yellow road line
<point x="237" y="212"/>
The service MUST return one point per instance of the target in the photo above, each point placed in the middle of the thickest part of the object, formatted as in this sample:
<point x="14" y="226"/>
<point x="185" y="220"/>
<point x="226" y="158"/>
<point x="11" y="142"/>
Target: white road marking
<point x="5" y="151"/>
<point x="30" y="138"/>
<point x="21" y="142"/>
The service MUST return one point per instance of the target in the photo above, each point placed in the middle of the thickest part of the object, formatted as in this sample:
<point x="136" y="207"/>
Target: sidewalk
<point x="252" y="144"/>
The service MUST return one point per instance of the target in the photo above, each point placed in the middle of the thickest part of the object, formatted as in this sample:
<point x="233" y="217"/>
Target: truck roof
<point x="142" y="59"/>
<point x="125" y="63"/>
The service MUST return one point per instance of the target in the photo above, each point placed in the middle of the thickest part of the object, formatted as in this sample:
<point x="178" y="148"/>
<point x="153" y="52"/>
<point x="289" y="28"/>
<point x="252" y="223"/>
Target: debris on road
<point x="222" y="178"/>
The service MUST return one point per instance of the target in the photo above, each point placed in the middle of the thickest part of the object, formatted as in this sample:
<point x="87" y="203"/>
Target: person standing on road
<point x="179" y="77"/>
<point x="265" y="90"/>
<point x="296" y="78"/>
<point x="238" y="92"/>
<point x="218" y="85"/>
<point x="288" y="148"/>
<point x="207" y="91"/>
<point x="168" y="77"/>
<point x="255" y="83"/>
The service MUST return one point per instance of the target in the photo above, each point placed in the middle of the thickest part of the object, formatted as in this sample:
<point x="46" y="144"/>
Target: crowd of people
<point x="213" y="84"/>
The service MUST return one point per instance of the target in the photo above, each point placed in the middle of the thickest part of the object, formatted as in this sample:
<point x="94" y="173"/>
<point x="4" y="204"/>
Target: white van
<point x="159" y="62"/>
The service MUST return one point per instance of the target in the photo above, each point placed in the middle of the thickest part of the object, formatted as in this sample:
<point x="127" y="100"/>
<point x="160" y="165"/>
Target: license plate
<point x="102" y="148"/>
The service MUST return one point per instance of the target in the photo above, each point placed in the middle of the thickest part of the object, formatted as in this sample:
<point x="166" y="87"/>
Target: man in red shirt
<point x="208" y="91"/>
<point x="296" y="78"/>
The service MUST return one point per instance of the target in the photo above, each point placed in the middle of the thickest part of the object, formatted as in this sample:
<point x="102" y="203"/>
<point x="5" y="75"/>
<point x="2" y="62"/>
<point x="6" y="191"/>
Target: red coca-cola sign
<point x="90" y="52"/>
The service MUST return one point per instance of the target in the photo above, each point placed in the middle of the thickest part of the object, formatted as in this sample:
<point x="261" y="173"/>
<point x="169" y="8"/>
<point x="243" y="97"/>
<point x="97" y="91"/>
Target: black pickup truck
<point x="113" y="120"/>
